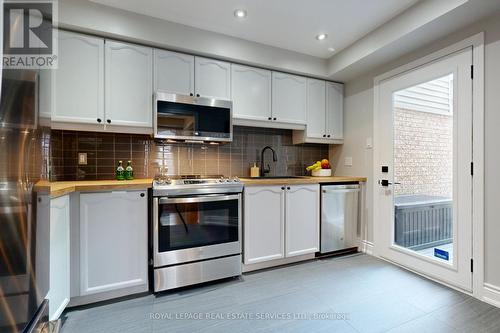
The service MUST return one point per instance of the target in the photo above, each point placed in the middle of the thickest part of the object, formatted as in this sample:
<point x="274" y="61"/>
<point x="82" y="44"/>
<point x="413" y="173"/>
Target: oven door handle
<point x="204" y="198"/>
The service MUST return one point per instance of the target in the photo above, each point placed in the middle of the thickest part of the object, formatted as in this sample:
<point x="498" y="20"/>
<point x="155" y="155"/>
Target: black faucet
<point x="264" y="170"/>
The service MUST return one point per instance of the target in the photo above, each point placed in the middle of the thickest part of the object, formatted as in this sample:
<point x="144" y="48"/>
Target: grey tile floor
<point x="358" y="293"/>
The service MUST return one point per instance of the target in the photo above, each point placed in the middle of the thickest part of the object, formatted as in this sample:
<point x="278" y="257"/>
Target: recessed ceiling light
<point x="331" y="49"/>
<point x="321" y="36"/>
<point x="240" y="13"/>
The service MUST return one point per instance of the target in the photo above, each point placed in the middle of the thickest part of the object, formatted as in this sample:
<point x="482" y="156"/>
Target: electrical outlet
<point x="82" y="158"/>
<point x="348" y="161"/>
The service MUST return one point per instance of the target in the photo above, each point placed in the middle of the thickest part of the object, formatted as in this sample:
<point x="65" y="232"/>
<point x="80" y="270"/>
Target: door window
<point x="423" y="168"/>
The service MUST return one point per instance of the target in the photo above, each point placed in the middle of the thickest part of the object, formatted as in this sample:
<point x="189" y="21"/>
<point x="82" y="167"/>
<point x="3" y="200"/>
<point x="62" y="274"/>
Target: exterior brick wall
<point x="423" y="153"/>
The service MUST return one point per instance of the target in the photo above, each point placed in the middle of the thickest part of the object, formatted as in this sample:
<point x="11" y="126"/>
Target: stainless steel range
<point x="196" y="230"/>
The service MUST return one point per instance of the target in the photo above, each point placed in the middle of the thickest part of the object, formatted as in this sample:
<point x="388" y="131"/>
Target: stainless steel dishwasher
<point x="339" y="217"/>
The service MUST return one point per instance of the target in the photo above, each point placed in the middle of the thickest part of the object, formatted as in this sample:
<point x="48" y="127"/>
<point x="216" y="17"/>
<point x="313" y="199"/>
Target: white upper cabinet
<point x="316" y="108"/>
<point x="46" y="95"/>
<point x="173" y="72"/>
<point x="212" y="78"/>
<point x="325" y="113"/>
<point x="251" y="92"/>
<point x="129" y="85"/>
<point x="113" y="241"/>
<point x="302" y="219"/>
<point x="264" y="222"/>
<point x="335" y="110"/>
<point x="79" y="80"/>
<point x="104" y="85"/>
<point x="289" y="98"/>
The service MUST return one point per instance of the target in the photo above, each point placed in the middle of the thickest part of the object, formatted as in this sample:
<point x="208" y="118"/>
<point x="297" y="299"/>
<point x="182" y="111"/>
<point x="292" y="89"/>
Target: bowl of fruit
<point x="320" y="169"/>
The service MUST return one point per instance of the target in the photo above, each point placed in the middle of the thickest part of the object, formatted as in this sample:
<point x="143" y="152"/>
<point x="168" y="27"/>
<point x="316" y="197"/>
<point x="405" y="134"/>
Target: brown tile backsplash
<point x="104" y="150"/>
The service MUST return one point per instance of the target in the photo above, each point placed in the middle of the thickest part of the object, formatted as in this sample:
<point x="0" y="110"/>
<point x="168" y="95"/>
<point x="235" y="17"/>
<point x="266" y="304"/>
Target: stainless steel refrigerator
<point x="24" y="205"/>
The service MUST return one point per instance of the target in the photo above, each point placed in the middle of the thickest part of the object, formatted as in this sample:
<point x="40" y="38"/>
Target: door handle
<point x="386" y="183"/>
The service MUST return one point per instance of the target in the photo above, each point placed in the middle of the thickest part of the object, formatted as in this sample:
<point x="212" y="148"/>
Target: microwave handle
<point x="204" y="198"/>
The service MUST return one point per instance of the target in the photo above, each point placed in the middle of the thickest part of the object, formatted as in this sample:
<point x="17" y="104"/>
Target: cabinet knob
<point x="191" y="94"/>
<point x="324" y="135"/>
<point x="283" y="188"/>
<point x="142" y="195"/>
<point x="329" y="135"/>
<point x="288" y="188"/>
<point x="197" y="95"/>
<point x="270" y="118"/>
<point x="108" y="121"/>
<point x="274" y="118"/>
<point x="99" y="120"/>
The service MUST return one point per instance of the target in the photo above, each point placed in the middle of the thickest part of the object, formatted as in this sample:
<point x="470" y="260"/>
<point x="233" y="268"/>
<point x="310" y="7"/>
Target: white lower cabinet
<point x="280" y="222"/>
<point x="302" y="219"/>
<point x="113" y="246"/>
<point x="264" y="223"/>
<point x="59" y="276"/>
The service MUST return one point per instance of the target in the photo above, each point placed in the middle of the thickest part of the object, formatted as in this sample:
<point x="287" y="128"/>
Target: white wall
<point x="86" y="16"/>
<point x="358" y="125"/>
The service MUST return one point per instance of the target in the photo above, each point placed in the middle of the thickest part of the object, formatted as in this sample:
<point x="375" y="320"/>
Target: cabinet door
<point x="316" y="108"/>
<point x="212" y="78"/>
<point x="79" y="80"/>
<point x="113" y="241"/>
<point x="335" y="110"/>
<point x="263" y="224"/>
<point x="59" y="292"/>
<point x="251" y="91"/>
<point x="173" y="72"/>
<point x="289" y="98"/>
<point x="129" y="85"/>
<point x="302" y="220"/>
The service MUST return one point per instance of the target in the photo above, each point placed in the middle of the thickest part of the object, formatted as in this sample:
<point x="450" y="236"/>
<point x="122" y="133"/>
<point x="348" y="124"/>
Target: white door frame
<point x="477" y="43"/>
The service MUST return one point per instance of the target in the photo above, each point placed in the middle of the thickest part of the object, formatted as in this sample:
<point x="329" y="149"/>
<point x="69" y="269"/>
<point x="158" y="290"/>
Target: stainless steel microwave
<point x="191" y="118"/>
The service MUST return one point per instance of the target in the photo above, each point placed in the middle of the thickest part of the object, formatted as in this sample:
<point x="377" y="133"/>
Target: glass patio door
<point x="424" y="148"/>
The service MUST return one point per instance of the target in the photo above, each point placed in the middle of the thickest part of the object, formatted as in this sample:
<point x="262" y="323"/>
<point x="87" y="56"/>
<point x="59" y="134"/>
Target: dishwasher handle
<point x="353" y="190"/>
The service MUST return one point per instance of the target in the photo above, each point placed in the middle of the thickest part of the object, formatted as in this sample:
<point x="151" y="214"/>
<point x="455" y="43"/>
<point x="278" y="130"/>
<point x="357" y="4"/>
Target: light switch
<point x="369" y="143"/>
<point x="82" y="158"/>
<point x="348" y="161"/>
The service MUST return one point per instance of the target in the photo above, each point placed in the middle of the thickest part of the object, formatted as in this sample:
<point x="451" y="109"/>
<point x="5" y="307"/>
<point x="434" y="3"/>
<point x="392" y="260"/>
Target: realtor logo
<point x="28" y="35"/>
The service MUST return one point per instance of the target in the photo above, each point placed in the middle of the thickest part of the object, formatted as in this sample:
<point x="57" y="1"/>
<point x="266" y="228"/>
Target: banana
<point x="315" y="166"/>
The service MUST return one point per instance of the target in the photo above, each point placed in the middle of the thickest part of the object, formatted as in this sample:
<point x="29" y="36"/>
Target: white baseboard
<point x="366" y="247"/>
<point x="55" y="316"/>
<point x="277" y="262"/>
<point x="491" y="294"/>
<point x="107" y="295"/>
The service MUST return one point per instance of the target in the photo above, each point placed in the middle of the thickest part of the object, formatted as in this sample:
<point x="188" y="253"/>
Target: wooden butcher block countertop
<point x="58" y="189"/>
<point x="301" y="180"/>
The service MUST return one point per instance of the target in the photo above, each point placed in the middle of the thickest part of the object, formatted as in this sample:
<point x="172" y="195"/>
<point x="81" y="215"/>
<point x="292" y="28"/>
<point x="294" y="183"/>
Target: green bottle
<point x="129" y="171"/>
<point x="120" y="171"/>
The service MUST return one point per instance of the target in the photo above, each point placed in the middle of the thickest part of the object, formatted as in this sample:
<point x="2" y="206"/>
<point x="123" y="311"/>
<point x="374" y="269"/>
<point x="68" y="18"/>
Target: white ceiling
<point x="288" y="24"/>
